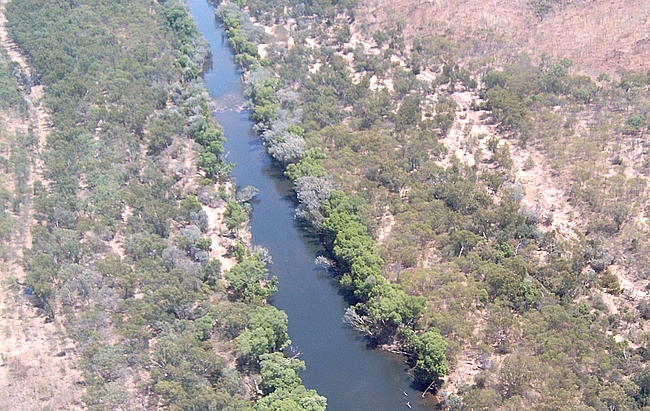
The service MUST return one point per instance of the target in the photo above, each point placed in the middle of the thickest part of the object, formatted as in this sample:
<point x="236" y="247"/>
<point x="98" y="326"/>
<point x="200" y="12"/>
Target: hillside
<point x="127" y="274"/>
<point x="38" y="361"/>
<point x="476" y="171"/>
<point x="598" y="35"/>
<point x="498" y="203"/>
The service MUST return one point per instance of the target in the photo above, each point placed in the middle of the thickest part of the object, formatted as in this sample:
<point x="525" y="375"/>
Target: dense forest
<point x="406" y="159"/>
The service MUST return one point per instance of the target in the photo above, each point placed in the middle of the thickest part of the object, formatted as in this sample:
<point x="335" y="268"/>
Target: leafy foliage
<point x="460" y="246"/>
<point x="248" y="280"/>
<point x="430" y="354"/>
<point x="122" y="87"/>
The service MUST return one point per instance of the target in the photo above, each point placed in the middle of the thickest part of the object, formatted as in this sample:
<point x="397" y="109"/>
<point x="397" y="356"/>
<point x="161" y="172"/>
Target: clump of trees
<point x="242" y="35"/>
<point x="12" y="83"/>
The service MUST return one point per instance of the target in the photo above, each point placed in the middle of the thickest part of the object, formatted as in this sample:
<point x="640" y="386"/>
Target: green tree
<point x="249" y="279"/>
<point x="310" y="165"/>
<point x="429" y="354"/>
<point x="297" y="399"/>
<point x="390" y="307"/>
<point x="279" y="372"/>
<point x="42" y="272"/>
<point x="235" y="216"/>
<point x="267" y="332"/>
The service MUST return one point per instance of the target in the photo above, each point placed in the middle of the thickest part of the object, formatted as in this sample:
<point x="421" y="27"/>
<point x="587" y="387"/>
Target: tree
<point x="351" y="242"/>
<point x="288" y="148"/>
<point x="297" y="399"/>
<point x="248" y="280"/>
<point x="409" y="113"/>
<point x="310" y="165"/>
<point x="42" y="272"/>
<point x="185" y="371"/>
<point x="312" y="192"/>
<point x="267" y="332"/>
<point x="203" y="244"/>
<point x="614" y="397"/>
<point x="189" y="204"/>
<point x="515" y="374"/>
<point x="279" y="372"/>
<point x="482" y="400"/>
<point x="247" y="194"/>
<point x="634" y="123"/>
<point x="642" y="380"/>
<point x="390" y="307"/>
<point x="235" y="216"/>
<point x="464" y="241"/>
<point x="429" y="354"/>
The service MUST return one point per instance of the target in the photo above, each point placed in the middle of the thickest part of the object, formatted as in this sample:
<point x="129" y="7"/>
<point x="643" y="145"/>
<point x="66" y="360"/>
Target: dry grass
<point x="37" y="359"/>
<point x="599" y="36"/>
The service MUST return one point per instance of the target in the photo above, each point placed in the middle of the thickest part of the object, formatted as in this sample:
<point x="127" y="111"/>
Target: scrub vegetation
<point x="410" y="165"/>
<point x="121" y="254"/>
<point x="487" y="220"/>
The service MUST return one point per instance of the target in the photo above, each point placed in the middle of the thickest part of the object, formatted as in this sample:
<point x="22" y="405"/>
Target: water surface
<point x="339" y="364"/>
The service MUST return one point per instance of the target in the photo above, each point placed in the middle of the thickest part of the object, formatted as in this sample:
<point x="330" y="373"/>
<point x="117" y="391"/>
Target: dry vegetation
<point x="599" y="36"/>
<point x="39" y="362"/>
<point x="578" y="150"/>
<point x="575" y="159"/>
<point x="37" y="359"/>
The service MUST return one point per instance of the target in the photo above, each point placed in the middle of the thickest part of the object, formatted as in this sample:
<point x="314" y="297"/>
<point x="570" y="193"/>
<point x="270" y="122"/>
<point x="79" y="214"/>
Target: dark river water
<point x="339" y="365"/>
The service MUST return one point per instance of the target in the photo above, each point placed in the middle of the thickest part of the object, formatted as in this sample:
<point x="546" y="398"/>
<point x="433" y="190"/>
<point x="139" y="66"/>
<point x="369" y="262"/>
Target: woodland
<point x="437" y="255"/>
<point x="467" y="269"/>
<point x="119" y="251"/>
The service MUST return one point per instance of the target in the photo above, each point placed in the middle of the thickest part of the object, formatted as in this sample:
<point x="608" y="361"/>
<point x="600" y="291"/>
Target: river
<point x="339" y="364"/>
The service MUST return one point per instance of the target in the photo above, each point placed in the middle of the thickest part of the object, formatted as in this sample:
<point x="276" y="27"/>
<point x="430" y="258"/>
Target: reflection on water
<point x="229" y="102"/>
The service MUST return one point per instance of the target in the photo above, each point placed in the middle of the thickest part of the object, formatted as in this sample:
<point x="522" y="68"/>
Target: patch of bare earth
<point x="544" y="193"/>
<point x="37" y="361"/>
<point x="385" y="226"/>
<point x="469" y="362"/>
<point x="223" y="240"/>
<point x="183" y="163"/>
<point x="222" y="244"/>
<point x="117" y="243"/>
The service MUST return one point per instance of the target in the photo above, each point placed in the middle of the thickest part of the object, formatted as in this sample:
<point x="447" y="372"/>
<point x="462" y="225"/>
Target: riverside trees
<point x="385" y="310"/>
<point x="459" y="235"/>
<point x="119" y="252"/>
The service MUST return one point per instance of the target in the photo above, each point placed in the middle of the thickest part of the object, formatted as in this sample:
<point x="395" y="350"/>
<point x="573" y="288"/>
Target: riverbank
<point x="121" y="266"/>
<point x="420" y="138"/>
<point x="316" y="331"/>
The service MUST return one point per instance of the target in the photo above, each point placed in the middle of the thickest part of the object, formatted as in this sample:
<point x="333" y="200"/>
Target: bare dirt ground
<point x="222" y="244"/>
<point x="37" y="361"/>
<point x="598" y="35"/>
<point x="544" y="192"/>
<point x="117" y="243"/>
<point x="385" y="227"/>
